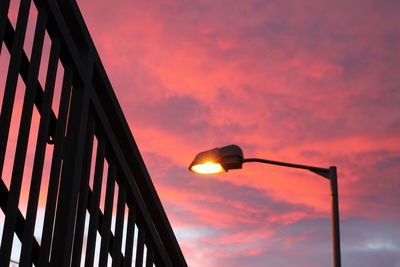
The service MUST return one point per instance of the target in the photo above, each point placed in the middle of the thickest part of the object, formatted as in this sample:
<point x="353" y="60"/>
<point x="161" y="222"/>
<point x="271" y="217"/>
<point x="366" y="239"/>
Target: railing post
<point x="71" y="173"/>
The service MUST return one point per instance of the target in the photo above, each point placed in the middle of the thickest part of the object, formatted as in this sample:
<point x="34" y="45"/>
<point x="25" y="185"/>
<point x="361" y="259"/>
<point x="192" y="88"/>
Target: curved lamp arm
<point x="324" y="172"/>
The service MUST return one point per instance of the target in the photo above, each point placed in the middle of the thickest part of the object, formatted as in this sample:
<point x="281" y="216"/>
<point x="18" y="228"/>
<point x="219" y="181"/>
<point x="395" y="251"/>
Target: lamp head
<point x="220" y="159"/>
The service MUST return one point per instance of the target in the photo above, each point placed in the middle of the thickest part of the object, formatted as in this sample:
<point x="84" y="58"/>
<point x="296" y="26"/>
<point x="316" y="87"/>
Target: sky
<point x="311" y="82"/>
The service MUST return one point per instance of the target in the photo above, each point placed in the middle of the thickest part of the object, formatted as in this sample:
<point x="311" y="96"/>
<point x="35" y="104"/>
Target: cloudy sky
<point x="313" y="82"/>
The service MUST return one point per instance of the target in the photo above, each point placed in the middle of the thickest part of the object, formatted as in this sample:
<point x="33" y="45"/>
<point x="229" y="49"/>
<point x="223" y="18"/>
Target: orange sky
<point x="310" y="82"/>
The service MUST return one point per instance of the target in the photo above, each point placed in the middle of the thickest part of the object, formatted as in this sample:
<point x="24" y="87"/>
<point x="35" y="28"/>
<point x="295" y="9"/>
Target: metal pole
<point x="335" y="217"/>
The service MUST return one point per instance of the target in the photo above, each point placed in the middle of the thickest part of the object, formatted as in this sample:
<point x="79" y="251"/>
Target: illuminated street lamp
<point x="231" y="157"/>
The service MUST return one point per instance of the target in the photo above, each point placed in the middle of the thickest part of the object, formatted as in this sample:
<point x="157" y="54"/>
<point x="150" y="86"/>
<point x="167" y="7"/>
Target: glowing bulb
<point x="208" y="167"/>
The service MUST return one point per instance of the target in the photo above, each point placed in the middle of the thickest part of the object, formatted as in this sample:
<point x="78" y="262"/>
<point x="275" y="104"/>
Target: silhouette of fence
<point x="82" y="143"/>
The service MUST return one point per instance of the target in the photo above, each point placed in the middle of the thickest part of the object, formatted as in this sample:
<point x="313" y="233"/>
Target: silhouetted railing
<point x="91" y="200"/>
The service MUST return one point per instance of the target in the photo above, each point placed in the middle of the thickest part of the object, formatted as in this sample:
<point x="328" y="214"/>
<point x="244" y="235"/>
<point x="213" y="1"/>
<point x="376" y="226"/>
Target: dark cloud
<point x="364" y="243"/>
<point x="175" y="114"/>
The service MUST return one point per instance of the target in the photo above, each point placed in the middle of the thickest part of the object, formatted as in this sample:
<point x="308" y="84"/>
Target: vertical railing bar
<point x="94" y="202"/>
<point x="4" y="6"/>
<point x="150" y="254"/>
<point x="83" y="195"/>
<point x="23" y="133"/>
<point x="140" y="246"/>
<point x="119" y="226"/>
<point x="12" y="78"/>
<point x="105" y="231"/>
<point x="130" y="235"/>
<point x="54" y="179"/>
<point x="42" y="138"/>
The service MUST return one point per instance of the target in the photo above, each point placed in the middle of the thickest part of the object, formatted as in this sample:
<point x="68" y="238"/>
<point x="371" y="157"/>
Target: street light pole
<point x="335" y="217"/>
<point x="330" y="174"/>
<point x="231" y="157"/>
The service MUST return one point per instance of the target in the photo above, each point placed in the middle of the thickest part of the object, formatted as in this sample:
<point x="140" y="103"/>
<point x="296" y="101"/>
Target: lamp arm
<point x="324" y="172"/>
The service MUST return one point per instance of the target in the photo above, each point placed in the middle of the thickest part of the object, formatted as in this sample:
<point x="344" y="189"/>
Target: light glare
<point x="208" y="167"/>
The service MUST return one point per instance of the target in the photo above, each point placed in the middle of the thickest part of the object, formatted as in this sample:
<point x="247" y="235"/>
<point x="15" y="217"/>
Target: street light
<point x="231" y="157"/>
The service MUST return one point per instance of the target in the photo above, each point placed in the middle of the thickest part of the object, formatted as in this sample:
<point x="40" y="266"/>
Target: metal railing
<point x="96" y="172"/>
